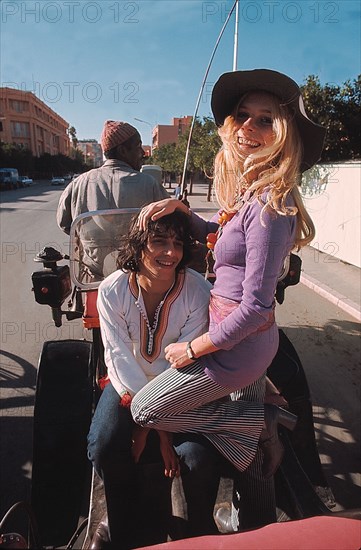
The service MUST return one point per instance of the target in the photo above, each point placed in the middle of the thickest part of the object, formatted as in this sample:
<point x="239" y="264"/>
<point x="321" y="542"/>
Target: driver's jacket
<point x="113" y="185"/>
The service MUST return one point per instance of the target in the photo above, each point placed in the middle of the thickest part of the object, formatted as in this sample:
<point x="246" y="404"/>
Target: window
<point x="20" y="129"/>
<point x="40" y="132"/>
<point x="19" y="106"/>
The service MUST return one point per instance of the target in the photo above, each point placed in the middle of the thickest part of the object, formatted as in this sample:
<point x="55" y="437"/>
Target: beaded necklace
<point x="151" y="328"/>
<point x="225" y="217"/>
<point x="212" y="238"/>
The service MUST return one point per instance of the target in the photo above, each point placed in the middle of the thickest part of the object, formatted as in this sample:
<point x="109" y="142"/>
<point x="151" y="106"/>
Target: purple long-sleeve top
<point x="249" y="256"/>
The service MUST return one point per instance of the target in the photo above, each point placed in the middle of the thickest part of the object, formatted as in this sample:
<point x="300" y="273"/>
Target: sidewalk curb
<point x="332" y="296"/>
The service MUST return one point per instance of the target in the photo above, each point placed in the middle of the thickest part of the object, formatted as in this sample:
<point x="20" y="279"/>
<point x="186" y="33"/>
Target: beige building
<point x="92" y="152"/>
<point x="169" y="133"/>
<point x="26" y="120"/>
<point x="147" y="150"/>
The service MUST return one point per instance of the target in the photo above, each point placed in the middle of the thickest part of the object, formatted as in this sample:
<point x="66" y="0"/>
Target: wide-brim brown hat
<point x="230" y="87"/>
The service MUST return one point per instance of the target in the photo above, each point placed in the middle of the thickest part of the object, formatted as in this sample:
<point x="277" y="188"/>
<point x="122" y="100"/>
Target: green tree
<point x="207" y="144"/>
<point x="13" y="155"/>
<point x="204" y="145"/>
<point x="46" y="166"/>
<point x="350" y="103"/>
<point x="165" y="156"/>
<point x="78" y="156"/>
<point x="338" y="109"/>
<point x="73" y="136"/>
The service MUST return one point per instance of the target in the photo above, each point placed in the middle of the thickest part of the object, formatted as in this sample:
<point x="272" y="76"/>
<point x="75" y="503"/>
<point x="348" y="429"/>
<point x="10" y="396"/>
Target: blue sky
<point x="92" y="61"/>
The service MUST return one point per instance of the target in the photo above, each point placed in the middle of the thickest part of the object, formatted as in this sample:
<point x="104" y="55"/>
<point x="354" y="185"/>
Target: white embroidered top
<point x="134" y="349"/>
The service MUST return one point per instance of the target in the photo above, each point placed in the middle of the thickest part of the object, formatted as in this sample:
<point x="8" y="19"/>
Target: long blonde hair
<point x="276" y="168"/>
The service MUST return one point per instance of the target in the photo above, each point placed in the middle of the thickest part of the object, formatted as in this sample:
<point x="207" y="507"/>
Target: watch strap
<point x="190" y="352"/>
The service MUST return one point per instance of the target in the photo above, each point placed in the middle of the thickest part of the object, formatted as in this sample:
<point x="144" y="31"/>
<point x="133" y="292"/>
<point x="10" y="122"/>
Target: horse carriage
<point x="67" y="497"/>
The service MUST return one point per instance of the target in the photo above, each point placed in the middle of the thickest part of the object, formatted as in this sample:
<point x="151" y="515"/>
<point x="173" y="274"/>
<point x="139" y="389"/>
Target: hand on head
<point x="158" y="209"/>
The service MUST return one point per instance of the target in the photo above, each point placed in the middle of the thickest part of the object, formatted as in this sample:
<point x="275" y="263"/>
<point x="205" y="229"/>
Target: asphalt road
<point x="326" y="338"/>
<point x="27" y="224"/>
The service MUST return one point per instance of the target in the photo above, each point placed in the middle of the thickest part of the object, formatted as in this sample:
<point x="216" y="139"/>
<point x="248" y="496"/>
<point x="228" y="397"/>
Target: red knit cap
<point x="115" y="133"/>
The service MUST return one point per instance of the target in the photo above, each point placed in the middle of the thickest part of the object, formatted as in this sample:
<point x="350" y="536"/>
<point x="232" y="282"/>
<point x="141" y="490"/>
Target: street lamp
<point x="151" y="133"/>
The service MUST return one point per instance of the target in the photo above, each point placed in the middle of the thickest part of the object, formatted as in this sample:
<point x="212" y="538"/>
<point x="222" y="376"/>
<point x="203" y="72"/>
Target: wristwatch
<point x="190" y="352"/>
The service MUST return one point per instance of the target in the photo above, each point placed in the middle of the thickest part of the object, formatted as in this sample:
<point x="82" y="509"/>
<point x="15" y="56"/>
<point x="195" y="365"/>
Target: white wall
<point x="332" y="195"/>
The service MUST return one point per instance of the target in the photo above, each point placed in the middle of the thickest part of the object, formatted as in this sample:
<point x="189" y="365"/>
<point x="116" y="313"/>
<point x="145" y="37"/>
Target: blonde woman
<point x="268" y="141"/>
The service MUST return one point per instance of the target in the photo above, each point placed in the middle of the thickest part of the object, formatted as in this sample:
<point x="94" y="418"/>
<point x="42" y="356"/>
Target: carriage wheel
<point x="62" y="416"/>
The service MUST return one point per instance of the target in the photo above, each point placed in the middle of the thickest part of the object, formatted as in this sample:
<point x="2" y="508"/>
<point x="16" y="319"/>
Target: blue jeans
<point x="109" y="449"/>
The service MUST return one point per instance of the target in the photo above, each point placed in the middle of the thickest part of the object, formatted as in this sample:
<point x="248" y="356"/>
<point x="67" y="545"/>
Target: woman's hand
<point x="170" y="458"/>
<point x="176" y="355"/>
<point x="158" y="209"/>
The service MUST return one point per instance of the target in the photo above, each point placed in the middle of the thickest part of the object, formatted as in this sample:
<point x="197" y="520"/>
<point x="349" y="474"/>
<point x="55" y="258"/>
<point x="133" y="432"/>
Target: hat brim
<point x="230" y="87"/>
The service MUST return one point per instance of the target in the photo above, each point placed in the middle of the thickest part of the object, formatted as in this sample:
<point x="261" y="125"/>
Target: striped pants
<point x="187" y="400"/>
<point x="255" y="496"/>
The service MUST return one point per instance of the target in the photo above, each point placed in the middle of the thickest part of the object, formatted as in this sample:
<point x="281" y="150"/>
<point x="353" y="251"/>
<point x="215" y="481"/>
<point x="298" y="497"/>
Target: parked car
<point x="25" y="180"/>
<point x="57" y="181"/>
<point x="9" y="178"/>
